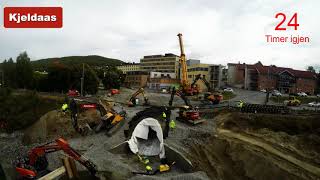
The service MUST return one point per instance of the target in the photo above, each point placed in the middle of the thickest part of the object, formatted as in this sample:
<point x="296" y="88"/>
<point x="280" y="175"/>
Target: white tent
<point x="139" y="142"/>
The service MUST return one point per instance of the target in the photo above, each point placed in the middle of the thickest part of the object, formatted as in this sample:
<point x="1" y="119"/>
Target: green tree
<point x="9" y="72"/>
<point x="24" y="71"/>
<point x="91" y="83"/>
<point x="311" y="69"/>
<point x="112" y="78"/>
<point x="59" y="77"/>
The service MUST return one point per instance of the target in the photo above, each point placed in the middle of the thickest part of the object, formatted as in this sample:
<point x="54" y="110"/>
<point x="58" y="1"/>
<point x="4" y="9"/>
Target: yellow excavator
<point x="133" y="99"/>
<point x="211" y="96"/>
<point x="293" y="101"/>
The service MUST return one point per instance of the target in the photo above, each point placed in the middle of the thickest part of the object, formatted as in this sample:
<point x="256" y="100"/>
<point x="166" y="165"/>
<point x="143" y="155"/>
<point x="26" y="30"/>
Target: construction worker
<point x="74" y="114"/>
<point x="169" y="123"/>
<point x="172" y="124"/>
<point x="241" y="103"/>
<point x="64" y="107"/>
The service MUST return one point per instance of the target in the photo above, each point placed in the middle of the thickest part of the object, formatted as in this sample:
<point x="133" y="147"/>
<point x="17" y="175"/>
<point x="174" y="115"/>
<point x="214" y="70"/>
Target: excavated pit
<point x="259" y="146"/>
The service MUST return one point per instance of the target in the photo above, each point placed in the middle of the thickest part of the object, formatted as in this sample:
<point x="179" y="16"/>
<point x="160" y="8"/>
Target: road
<point x="253" y="97"/>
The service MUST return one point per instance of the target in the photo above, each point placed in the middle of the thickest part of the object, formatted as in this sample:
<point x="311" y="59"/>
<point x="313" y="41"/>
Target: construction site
<point x="185" y="133"/>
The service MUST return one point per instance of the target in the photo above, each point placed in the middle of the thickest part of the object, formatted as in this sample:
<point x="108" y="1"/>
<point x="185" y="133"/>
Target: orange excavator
<point x="35" y="164"/>
<point x="187" y="113"/>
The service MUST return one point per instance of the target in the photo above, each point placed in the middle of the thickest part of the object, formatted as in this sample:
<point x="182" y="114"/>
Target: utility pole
<point x="82" y="79"/>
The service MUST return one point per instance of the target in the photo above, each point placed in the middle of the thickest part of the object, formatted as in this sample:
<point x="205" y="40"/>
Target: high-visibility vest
<point x="164" y="115"/>
<point x="172" y="124"/>
<point x="64" y="107"/>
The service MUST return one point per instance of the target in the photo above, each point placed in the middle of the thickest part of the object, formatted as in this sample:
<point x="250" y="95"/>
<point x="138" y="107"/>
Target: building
<point x="203" y="70"/>
<point x="159" y="80"/>
<point x="217" y="76"/>
<point x="162" y="75"/>
<point x="168" y="63"/>
<point x="136" y="79"/>
<point x="192" y="62"/>
<point x="129" y="67"/>
<point x="258" y="77"/>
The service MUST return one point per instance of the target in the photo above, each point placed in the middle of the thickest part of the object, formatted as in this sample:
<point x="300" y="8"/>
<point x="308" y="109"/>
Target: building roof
<point x="160" y="56"/>
<point x="275" y="70"/>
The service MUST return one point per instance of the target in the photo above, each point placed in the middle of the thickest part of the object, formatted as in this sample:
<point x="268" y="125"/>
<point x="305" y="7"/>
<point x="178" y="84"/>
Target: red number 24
<point x="290" y="23"/>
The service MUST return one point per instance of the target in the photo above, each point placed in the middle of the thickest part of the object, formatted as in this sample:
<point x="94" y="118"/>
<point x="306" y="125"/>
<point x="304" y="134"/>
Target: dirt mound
<point x="56" y="124"/>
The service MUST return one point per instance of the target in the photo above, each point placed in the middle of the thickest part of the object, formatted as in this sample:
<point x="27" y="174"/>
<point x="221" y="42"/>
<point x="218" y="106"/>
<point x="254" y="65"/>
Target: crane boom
<point x="182" y="61"/>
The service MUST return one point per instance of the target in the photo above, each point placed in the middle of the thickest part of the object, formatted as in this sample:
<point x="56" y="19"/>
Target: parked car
<point x="302" y="94"/>
<point x="73" y="93"/>
<point x="228" y="90"/>
<point x="314" y="104"/>
<point x="263" y="90"/>
<point x="276" y="93"/>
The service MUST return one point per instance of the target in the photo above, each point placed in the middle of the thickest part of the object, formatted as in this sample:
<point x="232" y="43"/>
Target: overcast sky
<point x="214" y="31"/>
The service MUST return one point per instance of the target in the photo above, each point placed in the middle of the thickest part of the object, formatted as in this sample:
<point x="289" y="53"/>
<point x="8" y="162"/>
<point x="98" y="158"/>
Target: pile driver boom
<point x="184" y="80"/>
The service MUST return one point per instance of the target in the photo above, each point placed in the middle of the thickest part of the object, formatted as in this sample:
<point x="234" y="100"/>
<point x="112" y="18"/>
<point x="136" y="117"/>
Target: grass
<point x="228" y="95"/>
<point x="21" y="110"/>
<point x="304" y="100"/>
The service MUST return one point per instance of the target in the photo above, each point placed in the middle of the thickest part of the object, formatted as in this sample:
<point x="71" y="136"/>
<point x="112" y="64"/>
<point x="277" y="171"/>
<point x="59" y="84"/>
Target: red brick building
<point x="257" y="77"/>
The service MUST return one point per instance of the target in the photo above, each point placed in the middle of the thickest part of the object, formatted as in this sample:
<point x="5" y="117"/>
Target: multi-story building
<point x="160" y="80"/>
<point x="218" y="76"/>
<point x="192" y="62"/>
<point x="168" y="63"/>
<point x="258" y="77"/>
<point x="162" y="75"/>
<point x="214" y="74"/>
<point x="136" y="79"/>
<point x="203" y="70"/>
<point x="129" y="67"/>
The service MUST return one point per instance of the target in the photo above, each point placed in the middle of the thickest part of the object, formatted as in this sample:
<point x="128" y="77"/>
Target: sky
<point x="214" y="31"/>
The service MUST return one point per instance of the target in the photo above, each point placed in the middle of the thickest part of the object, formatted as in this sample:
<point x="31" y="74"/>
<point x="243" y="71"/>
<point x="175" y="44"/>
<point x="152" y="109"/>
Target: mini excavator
<point x="35" y="164"/>
<point x="133" y="99"/>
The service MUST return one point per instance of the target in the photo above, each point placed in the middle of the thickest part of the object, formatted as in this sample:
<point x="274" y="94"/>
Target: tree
<point x="24" y="71"/>
<point x="112" y="78"/>
<point x="9" y="72"/>
<point x="59" y="77"/>
<point x="311" y="69"/>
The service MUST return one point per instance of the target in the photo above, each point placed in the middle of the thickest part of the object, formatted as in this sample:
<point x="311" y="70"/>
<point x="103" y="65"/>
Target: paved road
<point x="253" y="97"/>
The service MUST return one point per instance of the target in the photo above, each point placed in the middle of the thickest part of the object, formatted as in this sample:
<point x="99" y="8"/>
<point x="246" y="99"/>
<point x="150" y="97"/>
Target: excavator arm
<point x="38" y="161"/>
<point x="134" y="95"/>
<point x="181" y="95"/>
<point x="198" y="77"/>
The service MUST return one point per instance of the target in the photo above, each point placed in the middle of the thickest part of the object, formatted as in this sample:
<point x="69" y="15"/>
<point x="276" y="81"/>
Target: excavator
<point x="187" y="113"/>
<point x="133" y="99"/>
<point x="35" y="164"/>
<point x="112" y="118"/>
<point x="213" y="97"/>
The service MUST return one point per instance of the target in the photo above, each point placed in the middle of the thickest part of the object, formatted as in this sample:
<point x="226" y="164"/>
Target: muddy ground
<point x="230" y="145"/>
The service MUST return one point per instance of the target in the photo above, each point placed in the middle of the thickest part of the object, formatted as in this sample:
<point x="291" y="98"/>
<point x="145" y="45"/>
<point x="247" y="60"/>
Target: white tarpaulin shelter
<point x="139" y="141"/>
